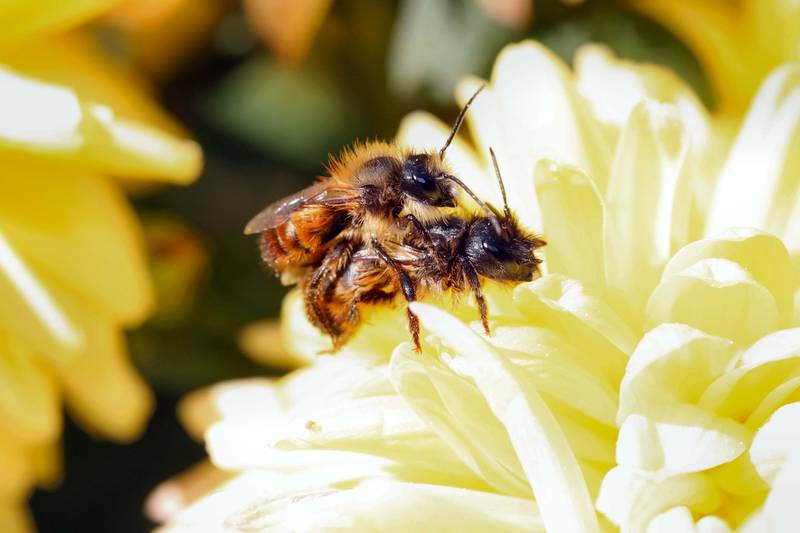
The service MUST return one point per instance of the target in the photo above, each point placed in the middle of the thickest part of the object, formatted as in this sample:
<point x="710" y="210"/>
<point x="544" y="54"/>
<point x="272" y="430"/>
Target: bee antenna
<point x="472" y="195"/>
<point x="459" y="120"/>
<point x="506" y="210"/>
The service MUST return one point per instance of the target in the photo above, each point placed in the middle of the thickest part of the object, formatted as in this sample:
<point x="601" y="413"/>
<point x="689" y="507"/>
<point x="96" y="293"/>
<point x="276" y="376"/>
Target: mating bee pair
<point x="386" y="222"/>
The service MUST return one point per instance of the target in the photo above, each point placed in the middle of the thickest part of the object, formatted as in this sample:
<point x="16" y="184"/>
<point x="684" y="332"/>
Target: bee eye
<point x="423" y="181"/>
<point x="489" y="247"/>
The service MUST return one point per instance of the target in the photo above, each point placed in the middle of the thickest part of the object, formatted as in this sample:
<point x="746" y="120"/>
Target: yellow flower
<point x="649" y="381"/>
<point x="738" y="42"/>
<point x="72" y="267"/>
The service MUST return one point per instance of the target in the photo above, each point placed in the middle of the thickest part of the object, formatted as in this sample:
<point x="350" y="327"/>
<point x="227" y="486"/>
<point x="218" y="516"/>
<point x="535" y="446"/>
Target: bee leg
<point x="475" y="285"/>
<point x="421" y="230"/>
<point x="321" y="280"/>
<point x="408" y="292"/>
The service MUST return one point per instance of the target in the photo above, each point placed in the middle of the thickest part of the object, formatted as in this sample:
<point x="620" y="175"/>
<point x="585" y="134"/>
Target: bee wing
<point x="279" y="212"/>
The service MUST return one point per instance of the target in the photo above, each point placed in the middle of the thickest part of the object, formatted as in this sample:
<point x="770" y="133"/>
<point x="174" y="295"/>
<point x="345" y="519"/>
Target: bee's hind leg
<point x="315" y="292"/>
<point x="409" y="292"/>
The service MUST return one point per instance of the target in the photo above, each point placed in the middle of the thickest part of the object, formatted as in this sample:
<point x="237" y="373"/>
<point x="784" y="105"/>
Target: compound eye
<point x="490" y="247"/>
<point x="422" y="180"/>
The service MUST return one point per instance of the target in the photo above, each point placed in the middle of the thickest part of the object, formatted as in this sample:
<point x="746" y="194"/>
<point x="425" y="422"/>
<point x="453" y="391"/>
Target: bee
<point x="374" y="191"/>
<point x="453" y="254"/>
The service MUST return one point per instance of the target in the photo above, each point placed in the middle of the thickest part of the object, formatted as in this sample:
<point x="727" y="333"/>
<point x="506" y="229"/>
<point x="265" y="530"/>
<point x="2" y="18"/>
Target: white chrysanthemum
<point x="649" y="381"/>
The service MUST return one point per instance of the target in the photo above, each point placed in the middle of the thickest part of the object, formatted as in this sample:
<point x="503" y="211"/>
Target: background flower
<point x="648" y="375"/>
<point x="73" y="271"/>
<point x="738" y="42"/>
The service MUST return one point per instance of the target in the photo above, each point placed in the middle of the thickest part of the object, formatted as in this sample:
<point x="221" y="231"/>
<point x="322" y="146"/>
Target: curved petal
<point x="48" y="126"/>
<point x="30" y="406"/>
<point x="647" y="219"/>
<point x="597" y="333"/>
<point x="764" y="257"/>
<point x="717" y="296"/>
<point x="759" y="181"/>
<point x="539" y="442"/>
<point x="575" y="245"/>
<point x="679" y="439"/>
<point x="81" y="233"/>
<point x="371" y="504"/>
<point x="631" y="500"/>
<point x="770" y="362"/>
<point x="673" y="363"/>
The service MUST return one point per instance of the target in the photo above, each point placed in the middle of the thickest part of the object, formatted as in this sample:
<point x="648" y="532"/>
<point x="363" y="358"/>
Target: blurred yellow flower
<point x="738" y="42"/>
<point x="72" y="265"/>
<point x="649" y="381"/>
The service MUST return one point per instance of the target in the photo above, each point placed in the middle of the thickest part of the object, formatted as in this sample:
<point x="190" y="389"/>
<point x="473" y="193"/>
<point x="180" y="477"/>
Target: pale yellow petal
<point x="261" y="341"/>
<point x="48" y="126"/>
<point x="646" y="219"/>
<point x="673" y="363"/>
<point x="675" y="520"/>
<point x="781" y="513"/>
<point x="717" y="296"/>
<point x="784" y="393"/>
<point x="461" y="417"/>
<point x="540" y="444"/>
<point x="630" y="500"/>
<point x="30" y="406"/>
<point x="23" y="19"/>
<point x="764" y="257"/>
<point x="574" y="242"/>
<point x="775" y="442"/>
<point x="770" y="362"/>
<point x="679" y="439"/>
<point x="613" y="87"/>
<point x="81" y="232"/>
<point x="759" y="180"/>
<point x="375" y="504"/>
<point x="599" y="336"/>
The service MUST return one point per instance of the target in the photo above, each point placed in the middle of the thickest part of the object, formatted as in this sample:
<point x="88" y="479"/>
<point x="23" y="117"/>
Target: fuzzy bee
<point x="453" y="254"/>
<point x="374" y="191"/>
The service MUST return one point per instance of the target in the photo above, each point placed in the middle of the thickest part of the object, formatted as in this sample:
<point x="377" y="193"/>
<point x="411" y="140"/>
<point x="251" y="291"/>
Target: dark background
<point x="266" y="128"/>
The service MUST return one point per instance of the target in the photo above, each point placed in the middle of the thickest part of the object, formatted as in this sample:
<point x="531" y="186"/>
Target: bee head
<point x="424" y="183"/>
<point x="502" y="250"/>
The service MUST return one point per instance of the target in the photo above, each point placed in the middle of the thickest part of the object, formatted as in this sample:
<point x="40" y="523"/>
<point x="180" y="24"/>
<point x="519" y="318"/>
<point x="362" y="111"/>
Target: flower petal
<point x="599" y="336"/>
<point x="372" y="504"/>
<point x="23" y="20"/>
<point x="30" y="406"/>
<point x="614" y="86"/>
<point x="575" y="242"/>
<point x="49" y="126"/>
<point x="82" y="233"/>
<point x="775" y="442"/>
<point x="770" y="362"/>
<point x="764" y="257"/>
<point x="458" y="413"/>
<point x="673" y="363"/>
<point x="103" y="391"/>
<point x="758" y="183"/>
<point x="539" y="442"/>
<point x="29" y="310"/>
<point x="630" y="500"/>
<point x="679" y="439"/>
<point x="647" y="220"/>
<point x="717" y="296"/>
